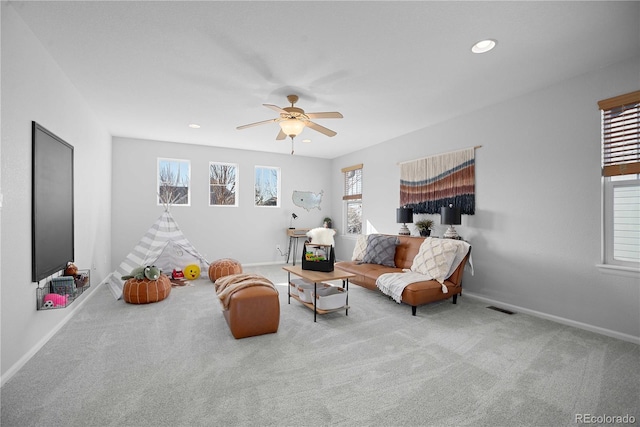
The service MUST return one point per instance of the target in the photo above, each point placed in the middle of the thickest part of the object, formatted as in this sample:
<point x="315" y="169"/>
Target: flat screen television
<point x="52" y="203"/>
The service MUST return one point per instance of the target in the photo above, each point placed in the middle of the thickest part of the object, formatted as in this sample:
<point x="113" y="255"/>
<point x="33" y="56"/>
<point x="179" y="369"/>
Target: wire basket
<point x="60" y="292"/>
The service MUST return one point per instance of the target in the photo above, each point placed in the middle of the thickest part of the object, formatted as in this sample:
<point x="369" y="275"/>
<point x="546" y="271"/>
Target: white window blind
<point x="621" y="179"/>
<point x="352" y="182"/>
<point x="626" y="222"/>
<point x="621" y="134"/>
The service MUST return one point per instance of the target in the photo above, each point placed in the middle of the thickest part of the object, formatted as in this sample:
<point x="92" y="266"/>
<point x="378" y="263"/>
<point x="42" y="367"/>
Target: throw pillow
<point x="435" y="258"/>
<point x="360" y="249"/>
<point x="380" y="250"/>
<point x="322" y="236"/>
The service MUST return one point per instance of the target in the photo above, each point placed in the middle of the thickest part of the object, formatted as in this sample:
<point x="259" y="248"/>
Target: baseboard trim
<point x="558" y="319"/>
<point x="257" y="264"/>
<point x="32" y="352"/>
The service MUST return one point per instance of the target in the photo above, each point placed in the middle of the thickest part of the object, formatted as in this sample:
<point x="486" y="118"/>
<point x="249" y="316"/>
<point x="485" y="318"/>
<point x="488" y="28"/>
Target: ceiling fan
<point x="293" y="120"/>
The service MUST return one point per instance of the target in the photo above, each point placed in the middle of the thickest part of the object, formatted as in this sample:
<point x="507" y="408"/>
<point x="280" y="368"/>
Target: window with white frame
<point x="223" y="184"/>
<point x="173" y="182"/>
<point x="621" y="179"/>
<point x="267" y="186"/>
<point x="352" y="198"/>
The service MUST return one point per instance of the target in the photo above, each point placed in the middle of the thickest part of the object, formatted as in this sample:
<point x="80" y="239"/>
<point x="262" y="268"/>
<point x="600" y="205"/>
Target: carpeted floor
<point x="175" y="363"/>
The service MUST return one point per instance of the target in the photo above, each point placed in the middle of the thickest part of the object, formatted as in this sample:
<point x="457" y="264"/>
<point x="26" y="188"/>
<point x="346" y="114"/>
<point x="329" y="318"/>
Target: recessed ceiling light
<point x="306" y="140"/>
<point x="194" y="126"/>
<point x="483" y="46"/>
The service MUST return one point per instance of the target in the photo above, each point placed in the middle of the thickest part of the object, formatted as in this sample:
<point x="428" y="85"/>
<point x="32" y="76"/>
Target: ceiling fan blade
<point x="281" y="135"/>
<point x="326" y="115"/>
<point x="276" y="108"/>
<point x="257" y="123"/>
<point x="319" y="128"/>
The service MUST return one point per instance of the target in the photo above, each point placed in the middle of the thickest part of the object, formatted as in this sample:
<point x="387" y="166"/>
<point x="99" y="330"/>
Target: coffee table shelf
<point x="319" y="310"/>
<point x="317" y="277"/>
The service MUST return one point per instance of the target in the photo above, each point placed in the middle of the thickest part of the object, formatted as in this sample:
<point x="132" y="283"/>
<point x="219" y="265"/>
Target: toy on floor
<point x="54" y="300"/>
<point x="192" y="271"/>
<point x="151" y="272"/>
<point x="178" y="279"/>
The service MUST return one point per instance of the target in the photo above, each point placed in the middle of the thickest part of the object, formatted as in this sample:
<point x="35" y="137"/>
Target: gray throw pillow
<point x="380" y="250"/>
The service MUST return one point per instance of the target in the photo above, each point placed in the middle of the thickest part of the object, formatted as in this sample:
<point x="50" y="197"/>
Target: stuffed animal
<point x="71" y="270"/>
<point x="151" y="272"/>
<point x="54" y="300"/>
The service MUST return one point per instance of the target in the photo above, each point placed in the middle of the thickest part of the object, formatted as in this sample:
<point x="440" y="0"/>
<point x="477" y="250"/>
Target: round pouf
<point x="144" y="291"/>
<point x="224" y="267"/>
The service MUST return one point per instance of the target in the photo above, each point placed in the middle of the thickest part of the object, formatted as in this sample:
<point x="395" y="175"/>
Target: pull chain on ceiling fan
<point x="293" y="120"/>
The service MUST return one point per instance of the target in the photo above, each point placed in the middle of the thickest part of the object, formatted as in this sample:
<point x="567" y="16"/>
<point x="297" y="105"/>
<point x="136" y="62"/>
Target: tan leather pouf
<point x="224" y="267"/>
<point x="253" y="311"/>
<point x="144" y="291"/>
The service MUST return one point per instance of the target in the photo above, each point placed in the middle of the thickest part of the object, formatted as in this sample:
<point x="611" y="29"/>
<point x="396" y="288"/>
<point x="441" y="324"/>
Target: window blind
<point x="621" y="134"/>
<point x="626" y="223"/>
<point x="352" y="182"/>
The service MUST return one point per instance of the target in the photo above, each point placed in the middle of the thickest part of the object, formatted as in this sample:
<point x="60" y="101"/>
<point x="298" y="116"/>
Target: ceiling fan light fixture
<point x="291" y="127"/>
<point x="483" y="46"/>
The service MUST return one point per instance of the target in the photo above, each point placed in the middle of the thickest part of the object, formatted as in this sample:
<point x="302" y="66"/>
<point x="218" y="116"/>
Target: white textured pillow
<point x="435" y="258"/>
<point x="360" y="249"/>
<point x="322" y="236"/>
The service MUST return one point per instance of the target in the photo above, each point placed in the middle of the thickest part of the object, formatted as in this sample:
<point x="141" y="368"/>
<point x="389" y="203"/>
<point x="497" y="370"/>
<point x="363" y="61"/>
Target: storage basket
<point x="294" y="283"/>
<point x="330" y="298"/>
<point x="47" y="299"/>
<point x="305" y="291"/>
<point x="318" y="257"/>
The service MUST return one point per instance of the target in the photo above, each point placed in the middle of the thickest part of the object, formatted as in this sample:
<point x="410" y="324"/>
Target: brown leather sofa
<point x="416" y="293"/>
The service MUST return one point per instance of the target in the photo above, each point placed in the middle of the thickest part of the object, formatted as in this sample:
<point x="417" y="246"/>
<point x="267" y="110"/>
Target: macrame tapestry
<point x="430" y="183"/>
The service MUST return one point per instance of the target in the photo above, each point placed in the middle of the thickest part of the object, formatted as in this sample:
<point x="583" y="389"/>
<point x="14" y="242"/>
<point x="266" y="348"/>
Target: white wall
<point x="246" y="233"/>
<point x="34" y="88"/>
<point x="536" y="232"/>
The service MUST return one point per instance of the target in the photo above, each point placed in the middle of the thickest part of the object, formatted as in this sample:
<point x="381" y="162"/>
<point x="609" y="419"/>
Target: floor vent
<point x="501" y="310"/>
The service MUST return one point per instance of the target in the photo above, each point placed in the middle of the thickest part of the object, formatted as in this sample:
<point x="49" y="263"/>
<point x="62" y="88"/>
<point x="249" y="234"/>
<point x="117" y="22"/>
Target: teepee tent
<point x="164" y="246"/>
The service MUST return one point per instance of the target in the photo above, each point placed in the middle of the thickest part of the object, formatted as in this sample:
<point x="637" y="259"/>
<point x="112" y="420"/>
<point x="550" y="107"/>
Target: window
<point x="173" y="182"/>
<point x="223" y="184"/>
<point x="267" y="186"/>
<point x="353" y="199"/>
<point x="621" y="179"/>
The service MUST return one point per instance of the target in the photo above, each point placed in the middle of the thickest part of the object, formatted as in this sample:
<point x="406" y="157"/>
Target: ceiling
<point x="149" y="69"/>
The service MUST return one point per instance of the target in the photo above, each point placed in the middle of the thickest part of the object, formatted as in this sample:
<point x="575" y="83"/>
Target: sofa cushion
<point x="360" y="249"/>
<point x="381" y="250"/>
<point x="435" y="258"/>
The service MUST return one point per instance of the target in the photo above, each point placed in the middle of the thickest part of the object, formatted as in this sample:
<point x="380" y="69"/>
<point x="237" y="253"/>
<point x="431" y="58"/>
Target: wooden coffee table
<point x="318" y="277"/>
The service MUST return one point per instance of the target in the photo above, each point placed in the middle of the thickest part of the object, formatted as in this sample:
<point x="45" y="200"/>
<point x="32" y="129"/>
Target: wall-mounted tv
<point x="52" y="203"/>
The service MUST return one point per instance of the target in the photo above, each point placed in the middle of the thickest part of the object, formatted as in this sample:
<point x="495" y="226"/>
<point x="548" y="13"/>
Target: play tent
<point x="164" y="246"/>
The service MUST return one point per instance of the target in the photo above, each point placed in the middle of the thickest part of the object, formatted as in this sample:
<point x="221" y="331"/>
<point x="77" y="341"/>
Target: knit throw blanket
<point x="393" y="284"/>
<point x="228" y="285"/>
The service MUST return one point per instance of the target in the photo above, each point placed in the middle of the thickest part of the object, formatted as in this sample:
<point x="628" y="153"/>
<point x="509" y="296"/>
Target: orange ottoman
<point x="144" y="291"/>
<point x="223" y="267"/>
<point x="250" y="304"/>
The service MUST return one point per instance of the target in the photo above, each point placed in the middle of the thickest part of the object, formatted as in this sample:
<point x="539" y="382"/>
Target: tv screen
<point x="52" y="203"/>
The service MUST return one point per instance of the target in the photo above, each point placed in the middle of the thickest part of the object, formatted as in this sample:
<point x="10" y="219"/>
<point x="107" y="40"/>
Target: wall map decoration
<point x="307" y="199"/>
